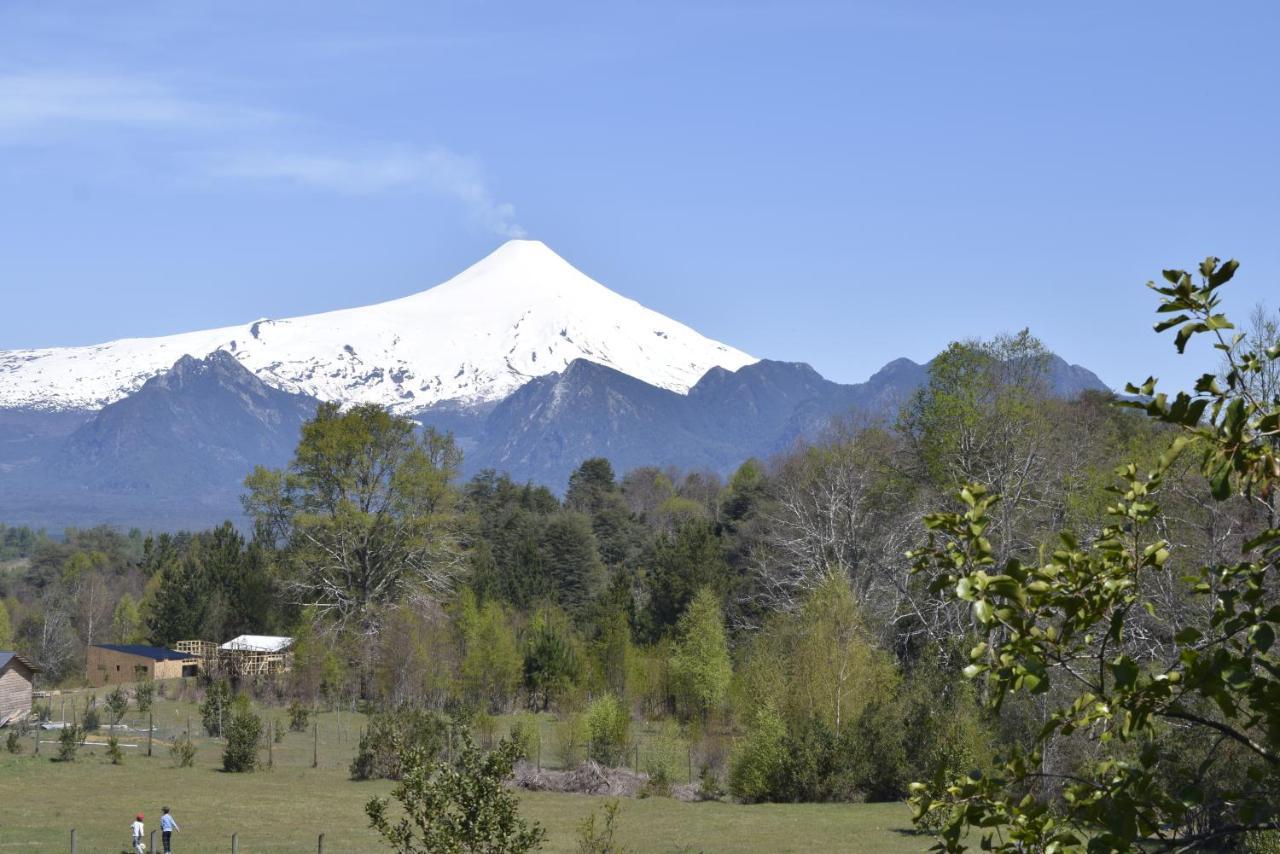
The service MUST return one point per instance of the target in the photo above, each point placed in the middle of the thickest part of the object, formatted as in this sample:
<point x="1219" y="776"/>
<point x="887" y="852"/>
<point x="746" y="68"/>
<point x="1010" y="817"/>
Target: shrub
<point x="601" y="841"/>
<point x="658" y="785"/>
<point x="299" y="717"/>
<point x="526" y="735"/>
<point x="92" y="720"/>
<point x="457" y="807"/>
<point x="69" y="742"/>
<point x="665" y="753"/>
<point x="391" y="736"/>
<point x="216" y="708"/>
<point x="117" y="705"/>
<point x="607" y="725"/>
<point x="114" y="753"/>
<point x="244" y="733"/>
<point x="144" y="695"/>
<point x="12" y="743"/>
<point x="757" y="765"/>
<point x="183" y="751"/>
<point x="486" y="726"/>
<point x="570" y="738"/>
<point x="709" y="788"/>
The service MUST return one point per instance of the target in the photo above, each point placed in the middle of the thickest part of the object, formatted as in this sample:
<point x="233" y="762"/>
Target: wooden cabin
<point x="112" y="663"/>
<point x="16" y="675"/>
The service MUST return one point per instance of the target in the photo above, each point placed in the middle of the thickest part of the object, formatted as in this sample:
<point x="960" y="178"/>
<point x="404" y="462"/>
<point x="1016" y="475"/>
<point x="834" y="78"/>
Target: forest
<point x="980" y="606"/>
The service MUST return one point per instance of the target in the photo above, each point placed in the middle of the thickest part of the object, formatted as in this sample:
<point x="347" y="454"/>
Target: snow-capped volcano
<point x="520" y="313"/>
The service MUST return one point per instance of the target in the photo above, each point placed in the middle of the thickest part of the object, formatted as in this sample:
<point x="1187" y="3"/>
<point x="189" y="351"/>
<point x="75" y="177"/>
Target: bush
<point x="144" y="695"/>
<point x="117" y="705"/>
<point x="114" y="753"/>
<point x="601" y="841"/>
<point x="215" y="710"/>
<point x="12" y="743"/>
<point x="183" y="751"/>
<point x="526" y="735"/>
<point x="570" y="739"/>
<point x="391" y="736"/>
<point x="709" y="788"/>
<point x="92" y="720"/>
<point x="486" y="726"/>
<point x="607" y="725"/>
<point x="757" y="765"/>
<point x="299" y="717"/>
<point x="665" y="753"/>
<point x="69" y="742"/>
<point x="457" y="807"/>
<point x="658" y="785"/>
<point x="244" y="734"/>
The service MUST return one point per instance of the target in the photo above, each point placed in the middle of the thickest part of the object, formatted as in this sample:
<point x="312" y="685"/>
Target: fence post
<point x="315" y="746"/>
<point x="271" y="745"/>
<point x="320" y="845"/>
<point x="691" y="763"/>
<point x="151" y="728"/>
<point x="37" y="734"/>
<point x="153" y="841"/>
<point x="73" y="840"/>
<point x="235" y="843"/>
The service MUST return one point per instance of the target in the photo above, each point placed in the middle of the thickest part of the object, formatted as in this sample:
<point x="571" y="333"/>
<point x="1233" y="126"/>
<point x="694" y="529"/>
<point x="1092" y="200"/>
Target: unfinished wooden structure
<point x="111" y="664"/>
<point x="16" y="674"/>
<point x="244" y="656"/>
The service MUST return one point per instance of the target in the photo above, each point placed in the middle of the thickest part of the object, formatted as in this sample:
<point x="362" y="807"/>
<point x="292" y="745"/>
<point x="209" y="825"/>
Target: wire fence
<point x="151" y="846"/>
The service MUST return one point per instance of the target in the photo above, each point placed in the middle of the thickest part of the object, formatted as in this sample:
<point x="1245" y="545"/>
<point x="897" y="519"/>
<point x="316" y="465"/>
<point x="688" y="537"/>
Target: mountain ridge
<point x="519" y="313"/>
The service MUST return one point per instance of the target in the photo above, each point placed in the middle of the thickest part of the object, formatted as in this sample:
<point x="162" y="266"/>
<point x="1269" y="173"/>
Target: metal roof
<point x="155" y="653"/>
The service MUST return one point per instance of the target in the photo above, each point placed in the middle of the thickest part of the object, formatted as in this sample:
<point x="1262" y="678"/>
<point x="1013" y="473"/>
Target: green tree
<point x="117" y="704"/>
<point x="552" y="658"/>
<point x="6" y="628"/>
<point x="1061" y="627"/>
<point x="457" y="808"/>
<point x="682" y="563"/>
<point x="126" y="623"/>
<point x="492" y="666"/>
<point x="700" y="666"/>
<point x="364" y="512"/>
<point x="243" y="734"/>
<point x="572" y="565"/>
<point x="215" y="709"/>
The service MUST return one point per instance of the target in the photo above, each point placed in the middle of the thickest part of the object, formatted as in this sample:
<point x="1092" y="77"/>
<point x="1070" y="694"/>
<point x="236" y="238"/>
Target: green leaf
<point x="1262" y="636"/>
<point x="1189" y="635"/>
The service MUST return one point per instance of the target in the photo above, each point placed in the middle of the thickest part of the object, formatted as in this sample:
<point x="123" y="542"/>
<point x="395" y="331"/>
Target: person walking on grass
<point x="137" y="830"/>
<point x="168" y="827"/>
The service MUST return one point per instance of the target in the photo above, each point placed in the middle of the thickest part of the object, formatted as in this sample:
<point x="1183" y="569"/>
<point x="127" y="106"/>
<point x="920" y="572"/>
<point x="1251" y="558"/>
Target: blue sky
<point x="837" y="183"/>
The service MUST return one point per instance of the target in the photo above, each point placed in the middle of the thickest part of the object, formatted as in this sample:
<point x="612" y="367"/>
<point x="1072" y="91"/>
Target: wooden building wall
<point x="111" y="667"/>
<point x="15" y="689"/>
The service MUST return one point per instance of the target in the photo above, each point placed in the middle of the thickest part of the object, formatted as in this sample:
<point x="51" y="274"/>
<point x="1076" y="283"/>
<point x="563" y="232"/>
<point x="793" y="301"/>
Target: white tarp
<point x="257" y="643"/>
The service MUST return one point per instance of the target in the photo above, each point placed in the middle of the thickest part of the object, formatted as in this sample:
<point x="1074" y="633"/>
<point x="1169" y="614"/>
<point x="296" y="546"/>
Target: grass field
<point x="286" y="807"/>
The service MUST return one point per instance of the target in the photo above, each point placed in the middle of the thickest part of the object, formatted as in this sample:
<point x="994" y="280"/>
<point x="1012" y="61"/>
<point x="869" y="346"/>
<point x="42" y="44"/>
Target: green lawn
<point x="285" y="808"/>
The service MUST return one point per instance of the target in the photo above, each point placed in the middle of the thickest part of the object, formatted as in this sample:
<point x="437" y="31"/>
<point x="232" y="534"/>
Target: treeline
<point x="777" y="606"/>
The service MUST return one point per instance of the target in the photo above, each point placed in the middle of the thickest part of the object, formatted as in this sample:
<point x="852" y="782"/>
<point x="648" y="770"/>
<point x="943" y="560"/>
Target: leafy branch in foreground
<point x="1059" y="628"/>
<point x="452" y="808"/>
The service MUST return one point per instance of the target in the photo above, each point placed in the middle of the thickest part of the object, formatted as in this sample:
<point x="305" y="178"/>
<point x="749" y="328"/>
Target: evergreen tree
<point x="573" y="570"/>
<point x="682" y="563"/>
